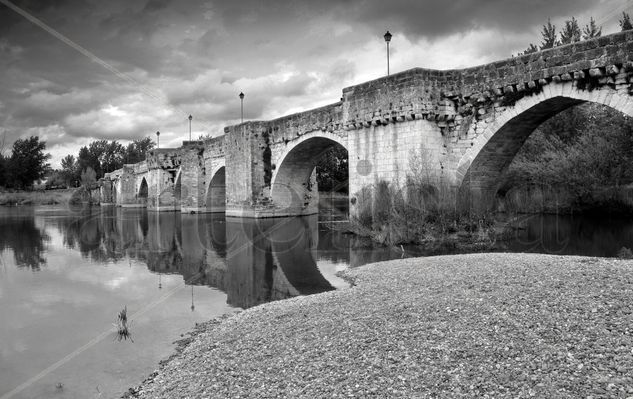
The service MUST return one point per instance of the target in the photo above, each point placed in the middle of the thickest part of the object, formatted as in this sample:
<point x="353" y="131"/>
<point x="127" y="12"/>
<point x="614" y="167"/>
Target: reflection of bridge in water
<point x="253" y="261"/>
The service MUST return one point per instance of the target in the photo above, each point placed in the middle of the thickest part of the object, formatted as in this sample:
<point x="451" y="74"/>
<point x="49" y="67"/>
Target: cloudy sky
<point x="161" y="60"/>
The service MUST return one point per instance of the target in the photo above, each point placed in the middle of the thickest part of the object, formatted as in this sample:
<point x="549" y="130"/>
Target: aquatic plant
<point x="123" y="332"/>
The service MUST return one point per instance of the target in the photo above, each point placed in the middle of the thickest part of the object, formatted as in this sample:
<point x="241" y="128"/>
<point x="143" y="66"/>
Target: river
<point x="66" y="273"/>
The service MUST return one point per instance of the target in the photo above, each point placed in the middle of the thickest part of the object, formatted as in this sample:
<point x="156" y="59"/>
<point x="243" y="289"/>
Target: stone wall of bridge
<point x="460" y="128"/>
<point x="171" y="179"/>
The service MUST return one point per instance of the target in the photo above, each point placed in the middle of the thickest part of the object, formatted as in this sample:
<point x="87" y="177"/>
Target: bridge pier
<point x="192" y="175"/>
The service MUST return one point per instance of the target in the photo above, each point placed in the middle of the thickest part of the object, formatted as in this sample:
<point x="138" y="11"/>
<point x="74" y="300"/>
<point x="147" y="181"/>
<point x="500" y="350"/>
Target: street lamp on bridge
<point x="242" y="106"/>
<point x="387" y="40"/>
<point x="190" y="118"/>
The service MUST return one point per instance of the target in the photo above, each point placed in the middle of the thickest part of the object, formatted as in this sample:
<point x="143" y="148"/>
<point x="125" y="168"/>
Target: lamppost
<point x="242" y="106"/>
<point x="157" y="139"/>
<point x="387" y="39"/>
<point x="190" y="118"/>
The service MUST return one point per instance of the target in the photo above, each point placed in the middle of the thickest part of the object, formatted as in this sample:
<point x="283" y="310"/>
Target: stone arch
<point x="143" y="192"/>
<point x="480" y="167"/>
<point x="292" y="179"/>
<point x="216" y="191"/>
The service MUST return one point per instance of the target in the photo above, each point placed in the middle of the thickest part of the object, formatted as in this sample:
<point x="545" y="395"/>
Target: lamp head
<point x="387" y="37"/>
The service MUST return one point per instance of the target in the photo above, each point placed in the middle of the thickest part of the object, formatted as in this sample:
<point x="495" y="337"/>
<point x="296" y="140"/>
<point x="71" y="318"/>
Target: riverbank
<point x="36" y="197"/>
<point x="480" y="325"/>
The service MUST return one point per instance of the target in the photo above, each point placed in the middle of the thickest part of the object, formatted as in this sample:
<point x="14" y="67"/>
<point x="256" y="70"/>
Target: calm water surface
<point x="64" y="276"/>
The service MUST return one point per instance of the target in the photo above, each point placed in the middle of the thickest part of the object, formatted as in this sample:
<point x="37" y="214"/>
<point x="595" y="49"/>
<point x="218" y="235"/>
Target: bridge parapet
<point x="447" y="97"/>
<point x="164" y="158"/>
<point x="140" y="167"/>
<point x="214" y="147"/>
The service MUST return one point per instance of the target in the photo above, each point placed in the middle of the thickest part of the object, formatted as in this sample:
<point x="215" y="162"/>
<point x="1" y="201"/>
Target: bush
<point x="418" y="212"/>
<point x="625" y="253"/>
<point x="423" y="210"/>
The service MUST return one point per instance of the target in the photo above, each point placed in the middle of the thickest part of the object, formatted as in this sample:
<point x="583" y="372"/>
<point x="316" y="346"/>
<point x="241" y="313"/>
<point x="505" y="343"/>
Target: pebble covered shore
<point x="463" y="326"/>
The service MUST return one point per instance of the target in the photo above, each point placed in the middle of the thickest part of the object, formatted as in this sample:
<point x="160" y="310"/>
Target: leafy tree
<point x="69" y="170"/>
<point x="101" y="156"/>
<point x="137" y="150"/>
<point x="28" y="162"/>
<point x="591" y="30"/>
<point x="112" y="157"/>
<point x="56" y="179"/>
<point x="3" y="170"/>
<point x="570" y="32"/>
<point x="4" y="160"/>
<point x="549" y="36"/>
<point x="531" y="49"/>
<point x="88" y="177"/>
<point x="625" y="22"/>
<point x="581" y="150"/>
<point x="332" y="170"/>
<point x="87" y="158"/>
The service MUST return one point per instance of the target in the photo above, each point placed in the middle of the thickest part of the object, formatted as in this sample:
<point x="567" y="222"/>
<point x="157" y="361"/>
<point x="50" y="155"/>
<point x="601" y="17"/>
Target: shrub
<point x="625" y="253"/>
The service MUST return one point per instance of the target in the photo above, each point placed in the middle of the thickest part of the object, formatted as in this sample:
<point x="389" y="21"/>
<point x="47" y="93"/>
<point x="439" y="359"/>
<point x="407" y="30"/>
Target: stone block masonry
<point x="460" y="127"/>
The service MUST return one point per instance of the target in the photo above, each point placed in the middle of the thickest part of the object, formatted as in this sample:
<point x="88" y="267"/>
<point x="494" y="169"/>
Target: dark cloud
<point x="195" y="56"/>
<point x="436" y="18"/>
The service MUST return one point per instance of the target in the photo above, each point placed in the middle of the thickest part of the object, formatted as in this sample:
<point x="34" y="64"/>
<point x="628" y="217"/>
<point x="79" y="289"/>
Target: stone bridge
<point x="461" y="128"/>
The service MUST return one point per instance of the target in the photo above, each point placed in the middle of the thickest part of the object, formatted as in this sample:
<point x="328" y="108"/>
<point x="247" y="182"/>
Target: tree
<point x="4" y="159"/>
<point x="332" y="170"/>
<point x="625" y="22"/>
<point x="3" y="170"/>
<point x="88" y="178"/>
<point x="69" y="170"/>
<point x="137" y="150"/>
<point x="112" y="157"/>
<point x="28" y="162"/>
<point x="101" y="156"/>
<point x="56" y="179"/>
<point x="570" y="32"/>
<point x="87" y="158"/>
<point x="531" y="49"/>
<point x="549" y="35"/>
<point x="592" y="30"/>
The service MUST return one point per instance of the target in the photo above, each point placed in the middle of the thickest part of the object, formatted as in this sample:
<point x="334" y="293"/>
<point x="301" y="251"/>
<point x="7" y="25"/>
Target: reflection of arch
<point x="178" y="189"/>
<point x="216" y="192"/>
<point x="479" y="169"/>
<point x="294" y="242"/>
<point x="143" y="192"/>
<point x="116" y="190"/>
<point x="291" y="181"/>
<point x="115" y="194"/>
<point x="279" y="263"/>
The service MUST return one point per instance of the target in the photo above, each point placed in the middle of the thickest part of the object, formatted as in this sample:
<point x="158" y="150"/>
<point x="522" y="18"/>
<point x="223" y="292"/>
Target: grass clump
<point x="48" y="197"/>
<point x="123" y="331"/>
<point x="625" y="253"/>
<point x="423" y="210"/>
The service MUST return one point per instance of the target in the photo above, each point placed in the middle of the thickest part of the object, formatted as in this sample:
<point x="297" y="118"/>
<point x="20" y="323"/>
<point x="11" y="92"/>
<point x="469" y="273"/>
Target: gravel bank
<point x="480" y="325"/>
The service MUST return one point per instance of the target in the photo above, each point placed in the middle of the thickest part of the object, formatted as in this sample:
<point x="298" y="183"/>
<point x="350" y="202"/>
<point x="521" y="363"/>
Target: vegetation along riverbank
<point x="479" y="325"/>
<point x="36" y="197"/>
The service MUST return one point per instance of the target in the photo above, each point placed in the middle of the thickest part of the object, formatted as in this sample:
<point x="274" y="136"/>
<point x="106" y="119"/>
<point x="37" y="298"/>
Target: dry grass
<point x="48" y="197"/>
